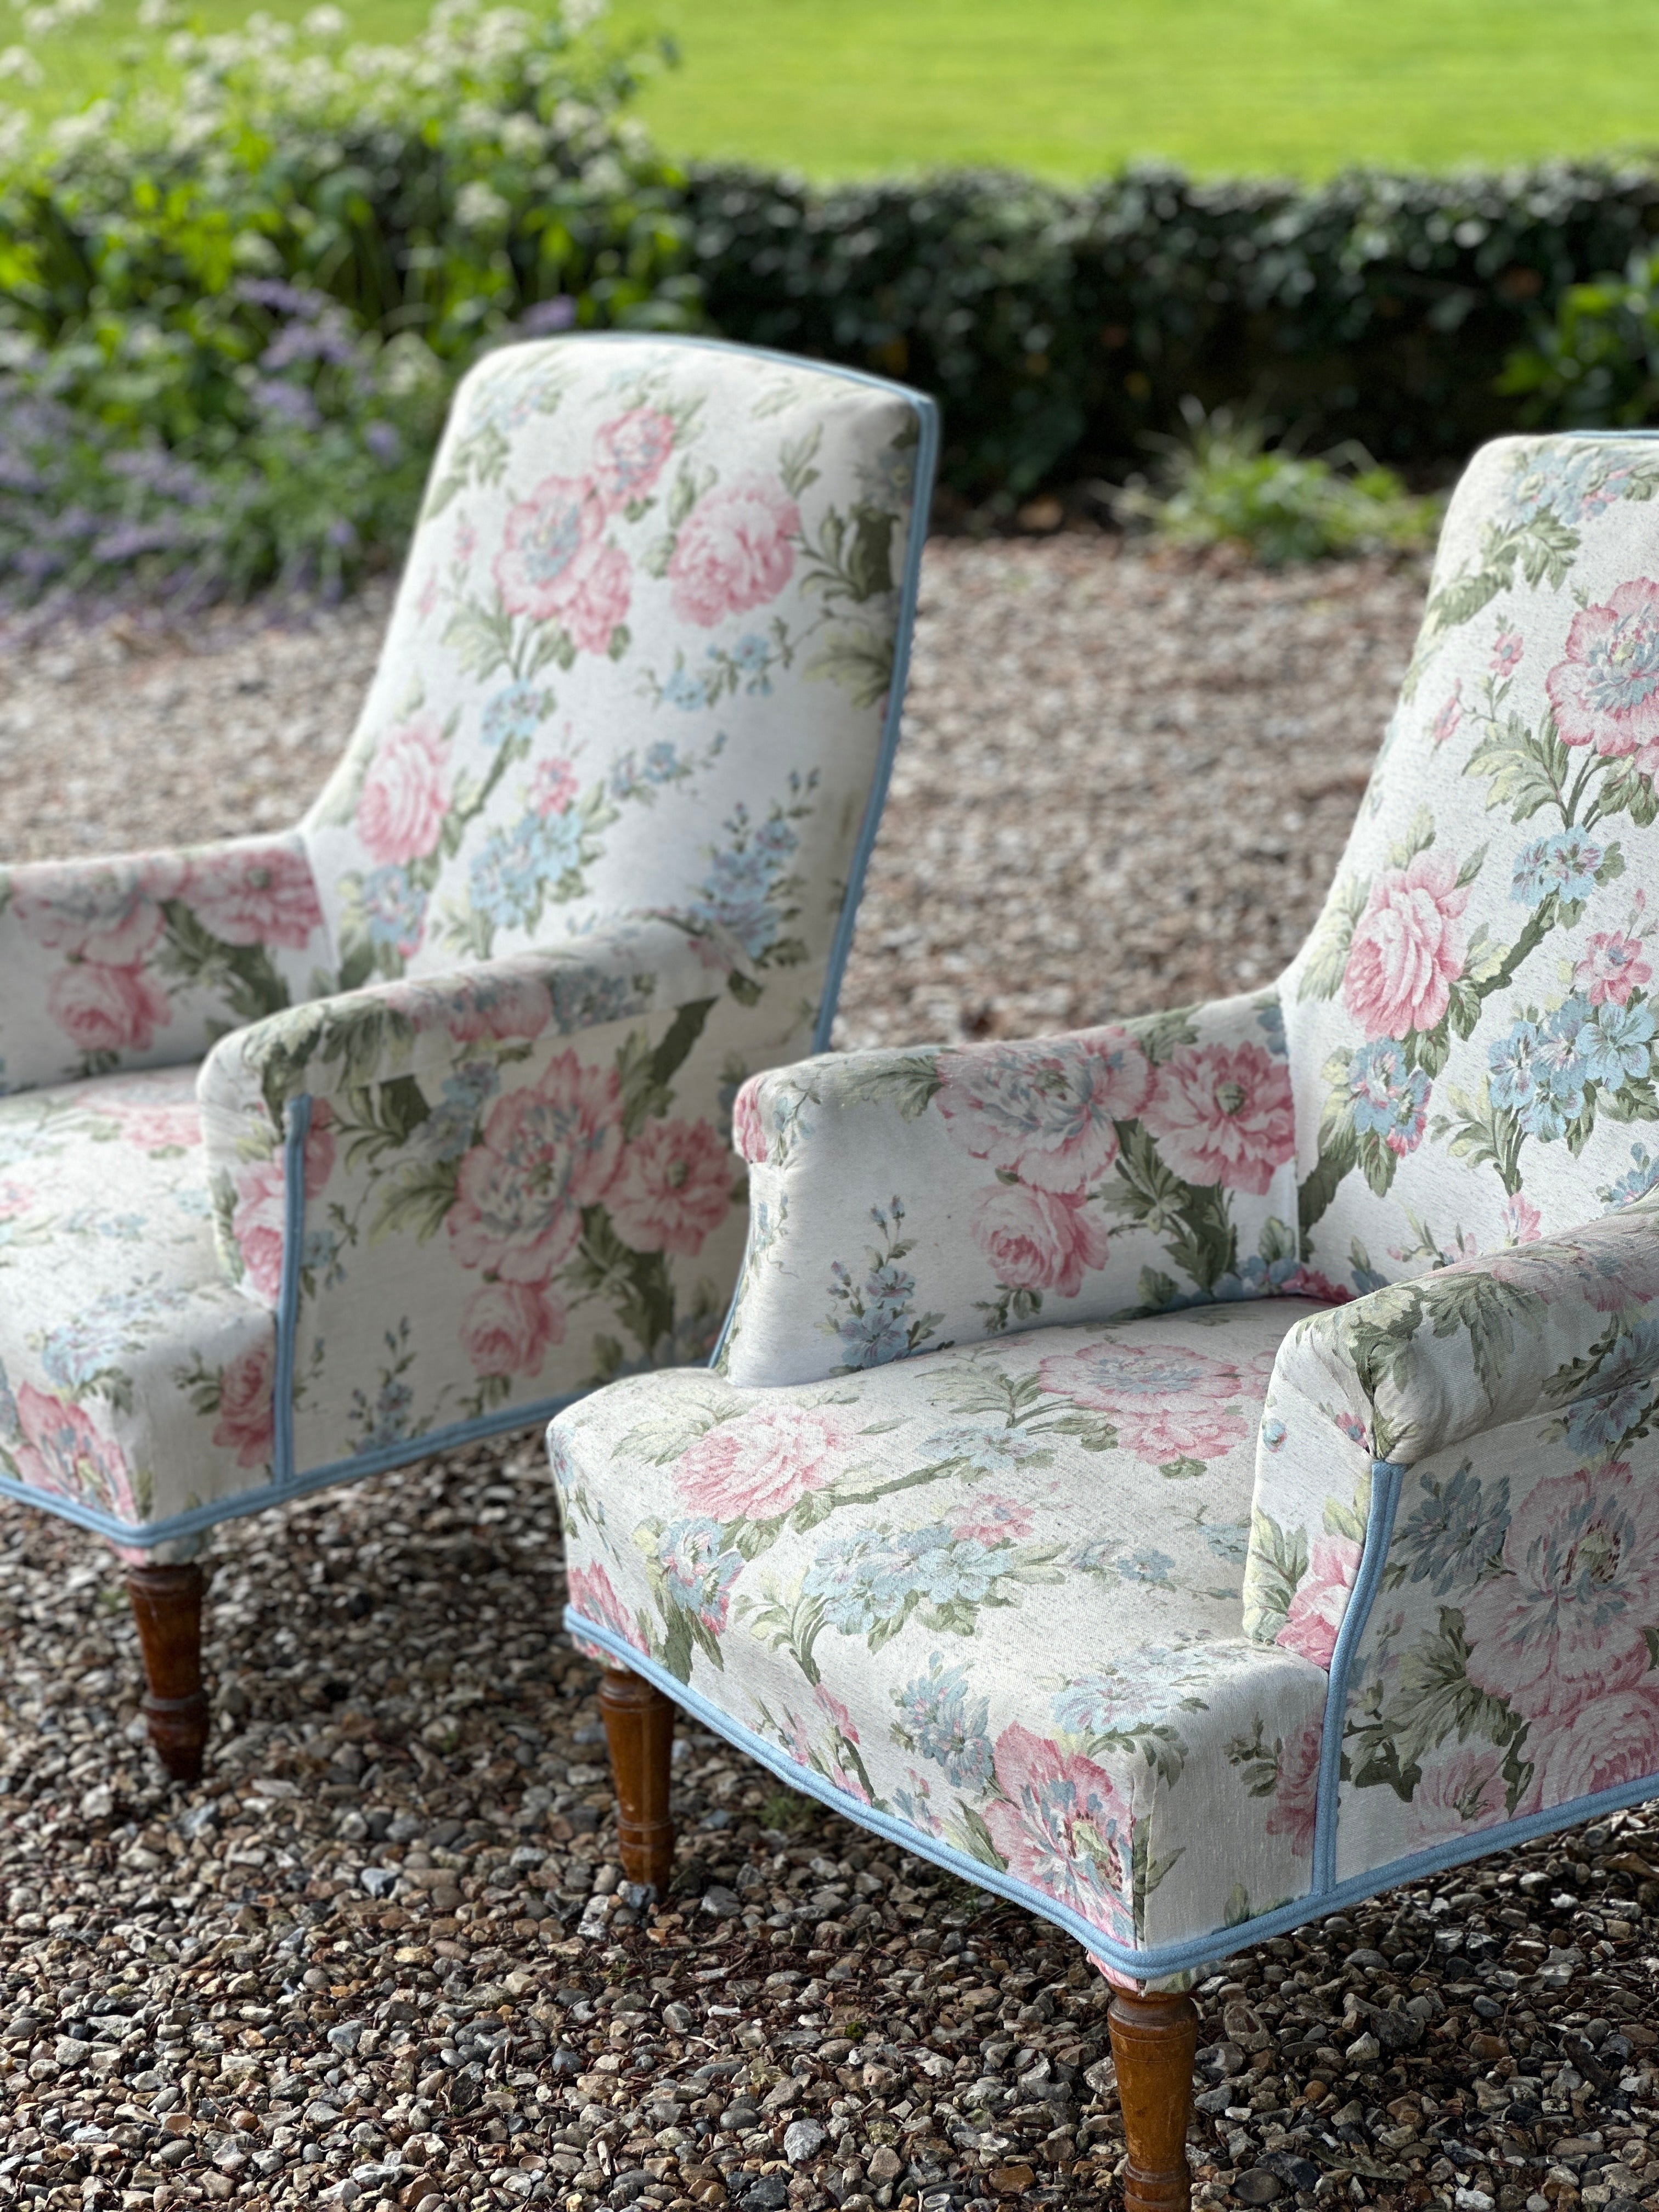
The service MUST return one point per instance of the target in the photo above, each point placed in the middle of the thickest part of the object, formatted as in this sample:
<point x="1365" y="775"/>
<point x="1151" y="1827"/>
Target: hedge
<point x="1059" y="327"/>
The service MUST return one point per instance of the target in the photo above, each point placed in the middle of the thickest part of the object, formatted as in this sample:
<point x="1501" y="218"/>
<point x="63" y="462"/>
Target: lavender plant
<point x="231" y="315"/>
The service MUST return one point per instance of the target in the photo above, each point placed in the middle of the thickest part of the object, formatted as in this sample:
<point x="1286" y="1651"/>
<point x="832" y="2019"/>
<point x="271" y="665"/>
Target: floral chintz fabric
<point x="1441" y="1124"/>
<point x="991" y="1593"/>
<point x="459" y="1054"/>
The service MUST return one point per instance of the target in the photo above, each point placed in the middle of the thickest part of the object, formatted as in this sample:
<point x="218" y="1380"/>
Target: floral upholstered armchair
<point x="325" y="1150"/>
<point x="1191" y="1473"/>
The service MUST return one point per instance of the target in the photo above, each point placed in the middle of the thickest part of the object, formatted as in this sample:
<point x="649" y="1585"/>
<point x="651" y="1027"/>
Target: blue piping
<point x="1386" y="1478"/>
<point x="141" y="1535"/>
<point x="841" y="945"/>
<point x="1157" y="1960"/>
<point x="287" y="1295"/>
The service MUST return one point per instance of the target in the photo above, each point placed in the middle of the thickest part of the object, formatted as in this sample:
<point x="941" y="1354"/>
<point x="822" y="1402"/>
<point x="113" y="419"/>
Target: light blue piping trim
<point x="1386" y="1478"/>
<point x="287" y="1296"/>
<point x="141" y="1535"/>
<point x="926" y="463"/>
<point x="1158" y="1959"/>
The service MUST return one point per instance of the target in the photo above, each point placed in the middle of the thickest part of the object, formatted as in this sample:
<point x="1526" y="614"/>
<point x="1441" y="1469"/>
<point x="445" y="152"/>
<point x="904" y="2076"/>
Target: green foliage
<point x="1222" y="485"/>
<point x="1596" y="364"/>
<point x="231" y="315"/>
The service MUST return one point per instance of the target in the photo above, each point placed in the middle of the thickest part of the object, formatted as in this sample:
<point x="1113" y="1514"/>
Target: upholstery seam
<point x="1193" y="1953"/>
<point x="1387" y="1476"/>
<point x="287" y="1296"/>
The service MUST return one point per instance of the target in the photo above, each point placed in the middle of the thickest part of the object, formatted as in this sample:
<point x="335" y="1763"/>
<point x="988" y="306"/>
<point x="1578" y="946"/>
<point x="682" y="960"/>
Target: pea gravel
<point x="385" y="1956"/>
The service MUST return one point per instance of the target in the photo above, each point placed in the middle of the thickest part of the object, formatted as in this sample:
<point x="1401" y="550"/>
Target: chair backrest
<point x="1471" y="1025"/>
<point x="647" y="653"/>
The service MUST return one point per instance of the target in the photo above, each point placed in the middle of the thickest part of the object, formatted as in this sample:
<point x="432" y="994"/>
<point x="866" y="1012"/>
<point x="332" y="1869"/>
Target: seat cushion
<point x="134" y="1381"/>
<point x="986" y="1599"/>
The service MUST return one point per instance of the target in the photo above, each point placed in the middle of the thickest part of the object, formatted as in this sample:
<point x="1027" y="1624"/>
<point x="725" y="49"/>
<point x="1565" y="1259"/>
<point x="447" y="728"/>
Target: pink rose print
<point x="256" y="1225"/>
<point x="1223" y="1114"/>
<point x="1063" y="1824"/>
<point x="502" y="1005"/>
<point x="748" y="1129"/>
<point x="247" y="898"/>
<point x="1321" y="1600"/>
<point x="1459" y="1790"/>
<point x="107" y="1009"/>
<point x="553" y="788"/>
<point x="246" y="1422"/>
<point x="61" y="1450"/>
<point x="507" y="1327"/>
<point x="992" y="1520"/>
<point x="257" y="1221"/>
<point x="162" y="1127"/>
<point x="675" y="1188"/>
<point x="1567" y="1617"/>
<point x="1507" y="648"/>
<point x="1165" y="1402"/>
<point x="1609" y="1271"/>
<point x="1521" y="1219"/>
<point x="1615" y="964"/>
<point x="1035" y="1241"/>
<point x="630" y="453"/>
<point x="109" y="915"/>
<point x="1606" y="692"/>
<point x="555" y="565"/>
<point x="1407" y="949"/>
<point x="1296" y="1792"/>
<point x="546" y="1151"/>
<point x="1621" y="1744"/>
<point x="594" y="1596"/>
<point x="1047" y="1113"/>
<point x="733" y="550"/>
<point x="400" y="812"/>
<point x="758" y="1466"/>
<point x="1445" y="723"/>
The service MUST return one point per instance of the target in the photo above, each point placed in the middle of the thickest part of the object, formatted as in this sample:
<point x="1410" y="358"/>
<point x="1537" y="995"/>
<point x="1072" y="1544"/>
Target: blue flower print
<point x="1616" y="1043"/>
<point x="1572" y="478"/>
<point x="1142" y="1563"/>
<point x="1538" y="1075"/>
<point x="870" y="1579"/>
<point x="940" y="1719"/>
<point x="752" y="657"/>
<point x="698" y="1572"/>
<point x="1228" y="1541"/>
<point x="684" y="691"/>
<point x="447" y="1130"/>
<point x="987" y="1451"/>
<point x="1639" y="1180"/>
<point x="511" y="876"/>
<point x="1454" y="1530"/>
<point x="1565" y="862"/>
<point x="1386" y="1098"/>
<point x="394" y="910"/>
<point x="1620" y="1393"/>
<point x="517" y="712"/>
<point x="1139" y="1691"/>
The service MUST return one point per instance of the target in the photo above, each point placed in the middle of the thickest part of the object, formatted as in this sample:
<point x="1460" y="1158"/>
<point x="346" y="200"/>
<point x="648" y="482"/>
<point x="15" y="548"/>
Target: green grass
<point x="1071" y="88"/>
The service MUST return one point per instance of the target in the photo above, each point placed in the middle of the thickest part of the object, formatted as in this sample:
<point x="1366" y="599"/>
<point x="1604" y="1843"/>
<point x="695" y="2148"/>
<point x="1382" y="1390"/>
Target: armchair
<point x="322" y="1153"/>
<point x="1195" y="1472"/>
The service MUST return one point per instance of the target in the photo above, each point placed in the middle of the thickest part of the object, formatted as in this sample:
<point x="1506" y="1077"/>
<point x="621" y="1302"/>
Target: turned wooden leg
<point x="639" y="1725"/>
<point x="1154" y="2042"/>
<point x="166" y="1604"/>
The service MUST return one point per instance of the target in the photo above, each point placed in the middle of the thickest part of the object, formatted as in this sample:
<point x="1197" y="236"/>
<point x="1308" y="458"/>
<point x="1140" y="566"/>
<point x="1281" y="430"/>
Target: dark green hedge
<point x="1059" y="327"/>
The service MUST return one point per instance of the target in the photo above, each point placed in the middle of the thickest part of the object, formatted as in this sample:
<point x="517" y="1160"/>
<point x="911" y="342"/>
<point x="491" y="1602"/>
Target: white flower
<point x="478" y="206"/>
<point x="157" y="14"/>
<point x="19" y="62"/>
<point x="324" y="23"/>
<point x="522" y="136"/>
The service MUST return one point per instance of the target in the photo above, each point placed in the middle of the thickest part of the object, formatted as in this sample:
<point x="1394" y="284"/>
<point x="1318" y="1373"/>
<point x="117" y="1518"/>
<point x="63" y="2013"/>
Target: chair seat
<point x="135" y="1380"/>
<point x="987" y="1601"/>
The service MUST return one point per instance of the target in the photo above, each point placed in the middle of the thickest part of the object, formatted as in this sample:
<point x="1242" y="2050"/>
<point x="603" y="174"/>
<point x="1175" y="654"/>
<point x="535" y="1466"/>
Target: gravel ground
<point x="383" y="1956"/>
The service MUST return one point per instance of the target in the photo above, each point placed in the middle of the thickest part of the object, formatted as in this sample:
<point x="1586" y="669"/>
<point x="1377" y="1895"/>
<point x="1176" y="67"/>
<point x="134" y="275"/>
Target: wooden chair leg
<point x="639" y="1726"/>
<point x="1154" y="2043"/>
<point x="166" y="1604"/>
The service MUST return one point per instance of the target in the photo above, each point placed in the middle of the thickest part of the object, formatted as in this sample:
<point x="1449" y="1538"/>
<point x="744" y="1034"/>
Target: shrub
<point x="232" y="316"/>
<point x="1597" y="364"/>
<point x="1221" y="484"/>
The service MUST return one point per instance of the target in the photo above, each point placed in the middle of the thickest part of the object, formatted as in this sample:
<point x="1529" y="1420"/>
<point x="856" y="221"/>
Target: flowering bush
<point x="231" y="315"/>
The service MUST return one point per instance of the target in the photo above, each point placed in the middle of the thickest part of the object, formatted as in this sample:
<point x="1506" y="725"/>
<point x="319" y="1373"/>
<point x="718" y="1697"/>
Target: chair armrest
<point x="1548" y="1333"/>
<point x="141" y="960"/>
<point x="904" y="1201"/>
<point x="374" y="1067"/>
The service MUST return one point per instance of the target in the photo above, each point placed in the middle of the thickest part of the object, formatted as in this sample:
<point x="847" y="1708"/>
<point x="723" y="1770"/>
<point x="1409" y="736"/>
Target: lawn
<point x="1071" y="88"/>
